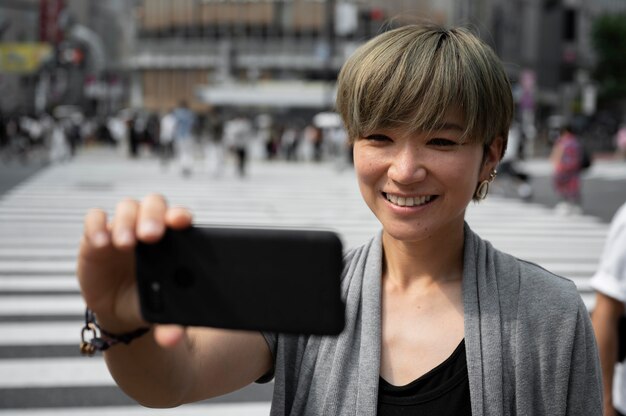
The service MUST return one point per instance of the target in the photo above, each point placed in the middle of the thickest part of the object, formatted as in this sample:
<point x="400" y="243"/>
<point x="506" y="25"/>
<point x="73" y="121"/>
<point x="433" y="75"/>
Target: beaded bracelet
<point x="102" y="340"/>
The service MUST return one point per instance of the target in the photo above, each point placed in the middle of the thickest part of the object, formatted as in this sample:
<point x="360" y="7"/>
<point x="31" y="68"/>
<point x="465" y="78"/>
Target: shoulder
<point x="543" y="283"/>
<point x="539" y="305"/>
<point x="519" y="280"/>
<point x="538" y="279"/>
<point x="534" y="289"/>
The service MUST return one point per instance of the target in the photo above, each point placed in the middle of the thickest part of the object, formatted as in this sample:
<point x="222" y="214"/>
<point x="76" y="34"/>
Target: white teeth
<point x="408" y="202"/>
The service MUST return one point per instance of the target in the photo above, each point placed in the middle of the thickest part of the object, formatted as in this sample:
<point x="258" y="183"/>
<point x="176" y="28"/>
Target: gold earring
<point x="483" y="188"/>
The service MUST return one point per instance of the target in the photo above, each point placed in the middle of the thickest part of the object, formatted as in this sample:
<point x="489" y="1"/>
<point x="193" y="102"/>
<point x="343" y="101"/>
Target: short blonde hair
<point x="411" y="75"/>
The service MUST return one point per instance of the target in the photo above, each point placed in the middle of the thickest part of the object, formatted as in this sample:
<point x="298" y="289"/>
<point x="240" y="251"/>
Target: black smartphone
<point x="266" y="279"/>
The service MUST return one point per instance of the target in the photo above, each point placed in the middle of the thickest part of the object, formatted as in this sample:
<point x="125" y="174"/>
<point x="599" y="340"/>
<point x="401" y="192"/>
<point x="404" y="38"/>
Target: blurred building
<point x="248" y="51"/>
<point x="549" y="42"/>
<point x="62" y="52"/>
<point x="105" y="55"/>
<point x="258" y="53"/>
<point x="21" y="52"/>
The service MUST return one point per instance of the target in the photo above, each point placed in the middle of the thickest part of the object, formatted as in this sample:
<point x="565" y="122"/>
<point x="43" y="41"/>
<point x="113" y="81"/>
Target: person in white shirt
<point x="610" y="285"/>
<point x="167" y="129"/>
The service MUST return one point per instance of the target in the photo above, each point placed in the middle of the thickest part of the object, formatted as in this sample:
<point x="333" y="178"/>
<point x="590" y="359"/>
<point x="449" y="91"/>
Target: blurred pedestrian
<point x="620" y="141"/>
<point x="509" y="165"/>
<point x="4" y="139"/>
<point x="167" y="127"/>
<point x="118" y="129"/>
<point x="238" y="133"/>
<point x="134" y="135"/>
<point x="289" y="142"/>
<point x="608" y="313"/>
<point x="214" y="146"/>
<point x="73" y="133"/>
<point x="59" y="145"/>
<point x="314" y="136"/>
<point x="340" y="147"/>
<point x="566" y="161"/>
<point x="183" y="137"/>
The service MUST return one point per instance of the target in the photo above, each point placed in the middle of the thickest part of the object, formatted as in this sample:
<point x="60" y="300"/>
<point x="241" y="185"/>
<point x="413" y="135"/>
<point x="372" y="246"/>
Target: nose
<point x="407" y="166"/>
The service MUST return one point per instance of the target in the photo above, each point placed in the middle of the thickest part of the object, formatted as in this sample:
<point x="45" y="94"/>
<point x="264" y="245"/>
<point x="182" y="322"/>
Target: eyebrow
<point x="447" y="126"/>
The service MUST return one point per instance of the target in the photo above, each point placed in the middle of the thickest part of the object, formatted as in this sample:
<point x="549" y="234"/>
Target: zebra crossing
<point x="41" y="372"/>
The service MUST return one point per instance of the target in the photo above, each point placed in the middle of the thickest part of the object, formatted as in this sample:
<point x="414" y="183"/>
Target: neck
<point x="437" y="259"/>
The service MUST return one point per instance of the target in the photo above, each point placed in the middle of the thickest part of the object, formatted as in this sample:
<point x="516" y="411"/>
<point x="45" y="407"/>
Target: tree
<point x="608" y="35"/>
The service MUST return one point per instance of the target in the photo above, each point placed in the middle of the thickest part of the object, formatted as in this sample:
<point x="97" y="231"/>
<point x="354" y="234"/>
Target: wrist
<point x="114" y="324"/>
<point x="96" y="338"/>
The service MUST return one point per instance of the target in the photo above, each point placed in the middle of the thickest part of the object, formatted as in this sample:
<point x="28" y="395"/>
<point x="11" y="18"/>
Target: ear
<point x="492" y="156"/>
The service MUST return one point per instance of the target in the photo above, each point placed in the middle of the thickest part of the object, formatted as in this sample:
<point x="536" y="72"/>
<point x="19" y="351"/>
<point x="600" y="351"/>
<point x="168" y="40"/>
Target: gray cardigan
<point x="529" y="341"/>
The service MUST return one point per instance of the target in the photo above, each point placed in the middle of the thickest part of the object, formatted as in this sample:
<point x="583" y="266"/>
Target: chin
<point x="407" y="235"/>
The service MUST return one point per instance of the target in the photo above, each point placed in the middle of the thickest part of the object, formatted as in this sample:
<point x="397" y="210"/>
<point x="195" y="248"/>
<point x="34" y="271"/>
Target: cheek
<point x="369" y="174"/>
<point x="364" y="166"/>
<point x="460" y="173"/>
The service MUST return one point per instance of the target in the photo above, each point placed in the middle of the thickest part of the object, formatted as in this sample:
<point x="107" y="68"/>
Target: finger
<point x="96" y="234"/>
<point x="151" y="218"/>
<point x="168" y="335"/>
<point x="178" y="218"/>
<point x="124" y="222"/>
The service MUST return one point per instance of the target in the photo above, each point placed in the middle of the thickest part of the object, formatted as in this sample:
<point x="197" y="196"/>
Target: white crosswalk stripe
<point x="41" y="226"/>
<point x="247" y="409"/>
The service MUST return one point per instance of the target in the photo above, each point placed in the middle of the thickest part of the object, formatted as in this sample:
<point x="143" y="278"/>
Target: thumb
<point x="168" y="336"/>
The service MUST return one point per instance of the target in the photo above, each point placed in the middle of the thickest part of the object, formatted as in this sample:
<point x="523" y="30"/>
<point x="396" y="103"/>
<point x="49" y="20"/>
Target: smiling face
<point x="419" y="184"/>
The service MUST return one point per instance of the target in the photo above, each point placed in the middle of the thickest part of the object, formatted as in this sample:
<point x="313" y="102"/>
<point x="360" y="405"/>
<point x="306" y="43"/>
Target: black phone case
<point x="279" y="280"/>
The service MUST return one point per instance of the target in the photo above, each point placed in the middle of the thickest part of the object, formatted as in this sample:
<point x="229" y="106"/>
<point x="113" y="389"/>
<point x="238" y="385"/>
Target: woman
<point x="566" y="160"/>
<point x="437" y="320"/>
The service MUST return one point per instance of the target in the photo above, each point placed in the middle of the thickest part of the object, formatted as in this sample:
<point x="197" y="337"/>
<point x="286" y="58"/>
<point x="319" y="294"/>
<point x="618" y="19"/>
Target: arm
<point x="605" y="319"/>
<point x="556" y="154"/>
<point x="170" y="365"/>
<point x="205" y="363"/>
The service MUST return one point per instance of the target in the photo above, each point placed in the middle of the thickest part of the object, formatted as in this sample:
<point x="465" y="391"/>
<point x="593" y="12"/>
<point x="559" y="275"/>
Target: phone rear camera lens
<point x="155" y="298"/>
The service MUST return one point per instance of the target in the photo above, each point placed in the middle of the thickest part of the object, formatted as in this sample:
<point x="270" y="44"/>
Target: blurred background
<point x="103" y="59"/>
<point x="226" y="107"/>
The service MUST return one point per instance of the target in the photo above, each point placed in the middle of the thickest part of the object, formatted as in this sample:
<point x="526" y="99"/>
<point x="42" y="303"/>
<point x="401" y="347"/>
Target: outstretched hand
<point x="106" y="262"/>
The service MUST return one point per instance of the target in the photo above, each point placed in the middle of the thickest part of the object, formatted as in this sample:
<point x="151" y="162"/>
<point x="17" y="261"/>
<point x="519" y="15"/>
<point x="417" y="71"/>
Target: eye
<point x="377" y="138"/>
<point x="440" y="142"/>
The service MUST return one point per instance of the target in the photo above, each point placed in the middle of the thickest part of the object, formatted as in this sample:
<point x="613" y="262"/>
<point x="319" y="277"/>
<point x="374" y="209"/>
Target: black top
<point x="443" y="391"/>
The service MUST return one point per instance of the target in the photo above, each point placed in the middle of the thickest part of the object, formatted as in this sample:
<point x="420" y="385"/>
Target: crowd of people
<point x="43" y="137"/>
<point x="181" y="137"/>
<point x="184" y="136"/>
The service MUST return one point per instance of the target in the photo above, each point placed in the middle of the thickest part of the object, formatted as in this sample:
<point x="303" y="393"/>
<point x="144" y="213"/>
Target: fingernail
<point x="100" y="239"/>
<point x="124" y="237"/>
<point x="149" y="227"/>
